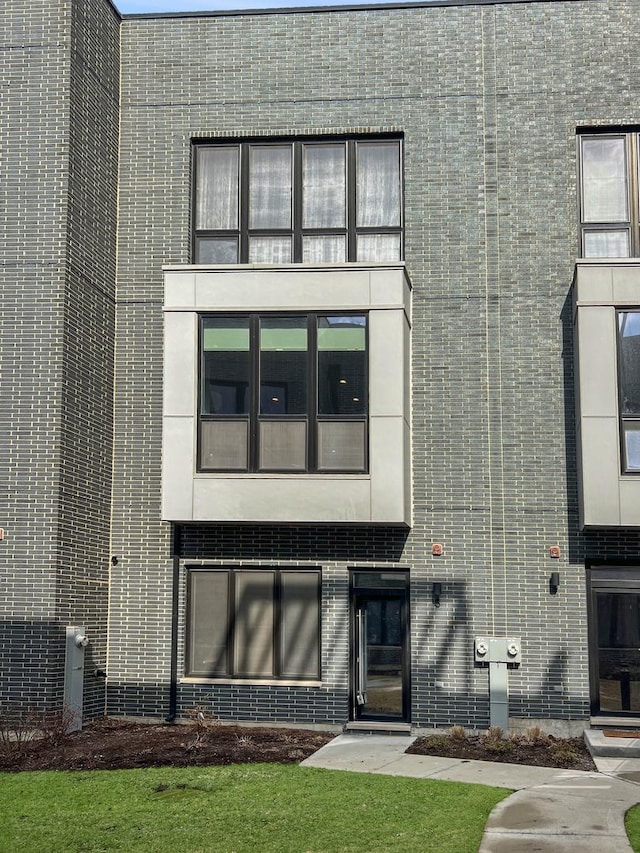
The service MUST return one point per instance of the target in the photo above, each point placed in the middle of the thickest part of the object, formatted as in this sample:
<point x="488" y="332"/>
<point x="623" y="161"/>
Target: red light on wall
<point x="554" y="552"/>
<point x="436" y="550"/>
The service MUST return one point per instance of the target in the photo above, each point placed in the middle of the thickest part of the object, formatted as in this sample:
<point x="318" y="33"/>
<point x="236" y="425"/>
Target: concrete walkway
<point x="552" y="810"/>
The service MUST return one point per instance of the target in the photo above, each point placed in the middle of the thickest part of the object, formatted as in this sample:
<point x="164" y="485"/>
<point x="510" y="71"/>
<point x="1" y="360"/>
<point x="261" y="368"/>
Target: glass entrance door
<point x="379" y="660"/>
<point x="615" y="642"/>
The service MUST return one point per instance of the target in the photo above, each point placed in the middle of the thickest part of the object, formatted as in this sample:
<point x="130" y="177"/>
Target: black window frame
<point x="624" y="418"/>
<point x="351" y="230"/>
<point x="631" y="225"/>
<point x="254" y="418"/>
<point x="232" y="573"/>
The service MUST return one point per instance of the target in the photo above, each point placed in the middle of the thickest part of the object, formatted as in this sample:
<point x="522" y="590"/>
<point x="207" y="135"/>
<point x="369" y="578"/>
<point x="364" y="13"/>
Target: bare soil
<point x="564" y="753"/>
<point x="110" y="744"/>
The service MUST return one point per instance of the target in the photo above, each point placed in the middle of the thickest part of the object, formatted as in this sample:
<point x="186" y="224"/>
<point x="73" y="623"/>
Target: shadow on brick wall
<point x="32" y="659"/>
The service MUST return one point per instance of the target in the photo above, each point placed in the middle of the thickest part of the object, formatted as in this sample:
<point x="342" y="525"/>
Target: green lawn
<point x="632" y="824"/>
<point x="259" y="807"/>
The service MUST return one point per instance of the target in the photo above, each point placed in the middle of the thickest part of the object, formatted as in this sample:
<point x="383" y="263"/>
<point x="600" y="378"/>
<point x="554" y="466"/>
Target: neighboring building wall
<point x="87" y="391"/>
<point x="488" y="98"/>
<point x="58" y="183"/>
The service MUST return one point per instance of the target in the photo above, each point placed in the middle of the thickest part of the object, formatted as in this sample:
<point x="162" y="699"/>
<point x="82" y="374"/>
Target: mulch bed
<point x="563" y="753"/>
<point x="110" y="744"/>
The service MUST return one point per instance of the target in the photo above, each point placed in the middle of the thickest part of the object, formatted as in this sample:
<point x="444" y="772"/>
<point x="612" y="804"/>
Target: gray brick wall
<point x="488" y="99"/>
<point x="58" y="172"/>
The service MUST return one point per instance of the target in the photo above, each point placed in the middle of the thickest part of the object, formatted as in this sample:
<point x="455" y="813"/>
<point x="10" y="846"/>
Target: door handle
<point x="361" y="667"/>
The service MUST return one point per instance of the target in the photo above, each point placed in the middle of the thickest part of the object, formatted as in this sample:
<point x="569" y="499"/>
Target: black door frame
<point x="619" y="577"/>
<point x="369" y="592"/>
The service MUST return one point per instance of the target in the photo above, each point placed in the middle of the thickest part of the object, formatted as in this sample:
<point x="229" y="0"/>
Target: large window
<point x="283" y="393"/>
<point x="312" y="201"/>
<point x="262" y="623"/>
<point x="629" y="387"/>
<point x="609" y="195"/>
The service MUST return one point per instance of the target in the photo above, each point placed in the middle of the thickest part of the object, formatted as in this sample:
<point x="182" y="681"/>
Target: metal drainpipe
<point x="173" y="678"/>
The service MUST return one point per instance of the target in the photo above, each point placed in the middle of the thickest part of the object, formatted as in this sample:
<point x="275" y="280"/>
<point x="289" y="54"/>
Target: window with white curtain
<point x="609" y="210"/>
<point x="313" y="201"/>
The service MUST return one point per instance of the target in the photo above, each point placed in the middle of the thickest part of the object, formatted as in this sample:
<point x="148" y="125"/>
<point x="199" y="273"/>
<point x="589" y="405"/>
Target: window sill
<point x="277" y="475"/>
<point x="250" y="682"/>
<point x="337" y="265"/>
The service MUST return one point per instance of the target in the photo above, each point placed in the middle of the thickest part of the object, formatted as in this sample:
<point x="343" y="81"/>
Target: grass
<point x="266" y="807"/>
<point x="632" y="825"/>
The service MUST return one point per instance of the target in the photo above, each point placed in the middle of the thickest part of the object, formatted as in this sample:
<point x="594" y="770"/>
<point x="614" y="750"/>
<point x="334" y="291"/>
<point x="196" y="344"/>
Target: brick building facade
<point x="309" y="591"/>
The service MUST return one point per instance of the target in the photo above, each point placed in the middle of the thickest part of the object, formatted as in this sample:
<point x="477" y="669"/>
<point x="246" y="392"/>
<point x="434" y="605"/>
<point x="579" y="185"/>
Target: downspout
<point x="175" y="596"/>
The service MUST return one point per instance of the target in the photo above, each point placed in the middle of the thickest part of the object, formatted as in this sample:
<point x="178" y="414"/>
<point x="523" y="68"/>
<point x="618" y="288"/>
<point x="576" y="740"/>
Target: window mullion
<point x="297" y="203"/>
<point x="231" y="622"/>
<point x="254" y="380"/>
<point x="351" y="200"/>
<point x="277" y="625"/>
<point x="244" y="204"/>
<point x="312" y="407"/>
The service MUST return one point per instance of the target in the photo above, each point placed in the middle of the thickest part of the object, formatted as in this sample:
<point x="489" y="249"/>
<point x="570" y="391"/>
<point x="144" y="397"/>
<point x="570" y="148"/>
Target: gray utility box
<point x="498" y="649"/>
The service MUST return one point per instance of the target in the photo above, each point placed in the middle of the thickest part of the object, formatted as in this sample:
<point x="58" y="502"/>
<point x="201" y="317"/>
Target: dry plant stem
<point x="457" y="733"/>
<point x="16" y="730"/>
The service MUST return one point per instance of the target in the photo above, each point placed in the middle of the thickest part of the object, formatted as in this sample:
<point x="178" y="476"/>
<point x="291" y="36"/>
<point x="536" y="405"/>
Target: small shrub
<point x="496" y="743"/>
<point x="534" y="734"/>
<point x="564" y="753"/>
<point x="494" y="734"/>
<point x="244" y="740"/>
<point x="202" y="721"/>
<point x="16" y="730"/>
<point x="457" y="733"/>
<point x="438" y="741"/>
<point x="499" y="747"/>
<point x="52" y="727"/>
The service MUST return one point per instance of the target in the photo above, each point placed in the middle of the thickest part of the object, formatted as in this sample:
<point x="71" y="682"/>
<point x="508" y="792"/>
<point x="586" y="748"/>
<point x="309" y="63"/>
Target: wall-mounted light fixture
<point x="554" y="582"/>
<point x="436" y="550"/>
<point x="436" y="592"/>
<point x="114" y="561"/>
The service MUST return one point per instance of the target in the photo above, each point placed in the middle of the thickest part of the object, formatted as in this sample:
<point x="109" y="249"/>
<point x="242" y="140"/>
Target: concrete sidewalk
<point x="551" y="811"/>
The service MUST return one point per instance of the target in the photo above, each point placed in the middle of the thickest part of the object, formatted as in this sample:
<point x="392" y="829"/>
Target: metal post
<point x="497" y="653"/>
<point x="499" y="694"/>
<point x="76" y="642"/>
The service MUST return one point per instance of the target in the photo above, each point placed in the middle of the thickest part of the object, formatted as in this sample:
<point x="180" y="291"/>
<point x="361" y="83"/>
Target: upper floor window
<point x="609" y="224"/>
<point x="283" y="393"/>
<point x="629" y="387"/>
<point x="310" y="201"/>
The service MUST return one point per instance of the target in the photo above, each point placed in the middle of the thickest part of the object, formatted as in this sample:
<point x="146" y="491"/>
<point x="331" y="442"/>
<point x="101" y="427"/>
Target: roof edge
<point x="350" y="7"/>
